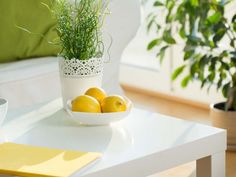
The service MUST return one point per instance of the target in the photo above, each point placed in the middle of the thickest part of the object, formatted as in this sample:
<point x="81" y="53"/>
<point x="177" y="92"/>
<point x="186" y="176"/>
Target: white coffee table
<point x="143" y="144"/>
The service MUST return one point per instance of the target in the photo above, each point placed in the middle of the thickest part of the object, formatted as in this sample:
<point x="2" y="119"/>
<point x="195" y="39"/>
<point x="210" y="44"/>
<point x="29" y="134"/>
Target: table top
<point x="129" y="147"/>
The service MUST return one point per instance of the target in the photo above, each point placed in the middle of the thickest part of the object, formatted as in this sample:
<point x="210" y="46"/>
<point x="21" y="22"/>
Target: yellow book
<point x="32" y="161"/>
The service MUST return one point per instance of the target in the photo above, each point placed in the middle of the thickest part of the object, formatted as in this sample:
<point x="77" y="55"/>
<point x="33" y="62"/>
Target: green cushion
<point x="16" y="44"/>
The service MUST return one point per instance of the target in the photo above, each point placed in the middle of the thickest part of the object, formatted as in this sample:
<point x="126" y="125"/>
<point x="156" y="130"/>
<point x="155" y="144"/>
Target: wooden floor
<point x="183" y="111"/>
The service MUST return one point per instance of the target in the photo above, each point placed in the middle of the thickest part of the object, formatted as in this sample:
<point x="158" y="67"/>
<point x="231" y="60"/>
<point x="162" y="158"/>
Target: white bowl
<point x="3" y="109"/>
<point x="98" y="118"/>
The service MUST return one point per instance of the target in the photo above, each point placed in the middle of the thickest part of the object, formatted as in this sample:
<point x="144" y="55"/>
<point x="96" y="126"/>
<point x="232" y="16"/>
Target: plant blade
<point x="177" y="72"/>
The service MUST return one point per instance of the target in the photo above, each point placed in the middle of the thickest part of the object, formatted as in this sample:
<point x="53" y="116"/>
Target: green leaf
<point x="194" y="39"/>
<point x="233" y="61"/>
<point x="185" y="81"/>
<point x="188" y="54"/>
<point x="170" y="4"/>
<point x="204" y="61"/>
<point x="168" y="38"/>
<point x="182" y="32"/>
<point x="215" y="18"/>
<point x="158" y="26"/>
<point x="219" y="35"/>
<point x="233" y="54"/>
<point x="150" y="25"/>
<point x="150" y="16"/>
<point x="153" y="43"/>
<point x="211" y="76"/>
<point x="225" y="66"/>
<point x="225" y="89"/>
<point x="158" y="3"/>
<point x="169" y="18"/>
<point x="161" y="54"/>
<point x="212" y="65"/>
<point x="151" y="22"/>
<point x="194" y="68"/>
<point x="194" y="3"/>
<point x="203" y="83"/>
<point x="224" y="54"/>
<point x="177" y="72"/>
<point x="212" y="44"/>
<point x="234" y="26"/>
<point x="234" y="18"/>
<point x="219" y="84"/>
<point x="223" y="75"/>
<point x="232" y="43"/>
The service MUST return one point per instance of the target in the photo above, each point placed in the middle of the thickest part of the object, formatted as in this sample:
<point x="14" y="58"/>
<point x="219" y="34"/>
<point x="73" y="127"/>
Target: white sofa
<point x="34" y="81"/>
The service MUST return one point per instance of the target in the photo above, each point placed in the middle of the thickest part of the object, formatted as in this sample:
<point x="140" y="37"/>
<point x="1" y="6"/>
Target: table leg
<point x="211" y="166"/>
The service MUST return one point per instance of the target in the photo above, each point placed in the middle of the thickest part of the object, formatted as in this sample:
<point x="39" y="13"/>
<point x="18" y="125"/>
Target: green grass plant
<point x="79" y="27"/>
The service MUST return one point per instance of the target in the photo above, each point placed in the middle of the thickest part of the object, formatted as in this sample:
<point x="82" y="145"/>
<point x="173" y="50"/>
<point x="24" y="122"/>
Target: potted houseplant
<point x="202" y="26"/>
<point x="79" y="27"/>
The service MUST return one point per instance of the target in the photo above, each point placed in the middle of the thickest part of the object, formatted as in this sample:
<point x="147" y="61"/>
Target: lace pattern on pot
<point x="81" y="68"/>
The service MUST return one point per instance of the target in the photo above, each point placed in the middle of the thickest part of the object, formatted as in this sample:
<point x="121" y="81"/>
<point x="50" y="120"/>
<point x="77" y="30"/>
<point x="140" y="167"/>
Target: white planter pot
<point x="226" y="120"/>
<point x="79" y="75"/>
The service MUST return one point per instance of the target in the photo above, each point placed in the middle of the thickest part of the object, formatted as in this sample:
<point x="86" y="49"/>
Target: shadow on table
<point x="59" y="131"/>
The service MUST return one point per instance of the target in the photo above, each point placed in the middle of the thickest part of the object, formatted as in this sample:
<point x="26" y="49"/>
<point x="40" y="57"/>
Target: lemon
<point x="85" y="103"/>
<point x="114" y="103"/>
<point x="98" y="93"/>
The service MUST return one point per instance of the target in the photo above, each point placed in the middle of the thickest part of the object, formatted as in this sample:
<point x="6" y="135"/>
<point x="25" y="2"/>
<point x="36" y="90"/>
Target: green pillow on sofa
<point x="16" y="44"/>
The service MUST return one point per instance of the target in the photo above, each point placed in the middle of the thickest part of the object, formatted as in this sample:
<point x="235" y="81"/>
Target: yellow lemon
<point x="114" y="103"/>
<point x="98" y="93"/>
<point x="85" y="103"/>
